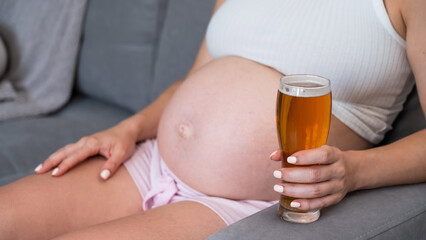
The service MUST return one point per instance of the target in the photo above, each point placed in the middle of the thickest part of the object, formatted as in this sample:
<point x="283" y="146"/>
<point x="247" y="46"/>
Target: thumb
<point x="111" y="166"/>
<point x="275" y="156"/>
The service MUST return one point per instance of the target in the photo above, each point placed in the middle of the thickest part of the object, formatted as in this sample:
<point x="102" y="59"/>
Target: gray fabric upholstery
<point x="180" y="41"/>
<point x="374" y="214"/>
<point x="24" y="143"/>
<point x="409" y="120"/>
<point x="3" y="57"/>
<point x="118" y="64"/>
<point x="43" y="42"/>
<point x="118" y="50"/>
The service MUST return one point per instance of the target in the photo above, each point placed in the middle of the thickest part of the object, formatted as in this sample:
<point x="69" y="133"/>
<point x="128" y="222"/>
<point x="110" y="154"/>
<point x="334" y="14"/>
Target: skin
<point x="46" y="204"/>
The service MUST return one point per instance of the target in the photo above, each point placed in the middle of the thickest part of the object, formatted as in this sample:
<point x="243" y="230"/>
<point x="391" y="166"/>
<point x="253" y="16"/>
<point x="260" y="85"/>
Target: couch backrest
<point x="124" y="47"/>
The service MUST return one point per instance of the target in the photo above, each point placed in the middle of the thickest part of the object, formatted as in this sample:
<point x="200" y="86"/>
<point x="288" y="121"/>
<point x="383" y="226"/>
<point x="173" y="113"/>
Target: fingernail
<point x="292" y="160"/>
<point x="294" y="204"/>
<point x="105" y="174"/>
<point x="272" y="154"/>
<point x="38" y="167"/>
<point x="55" y="171"/>
<point x="278" y="174"/>
<point x="278" y="188"/>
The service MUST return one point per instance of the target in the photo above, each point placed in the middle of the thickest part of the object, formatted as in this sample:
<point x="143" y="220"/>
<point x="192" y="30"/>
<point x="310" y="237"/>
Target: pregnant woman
<point x="201" y="161"/>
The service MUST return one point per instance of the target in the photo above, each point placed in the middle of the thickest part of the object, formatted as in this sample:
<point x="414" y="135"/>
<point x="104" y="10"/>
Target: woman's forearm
<point x="144" y="124"/>
<point x="402" y="162"/>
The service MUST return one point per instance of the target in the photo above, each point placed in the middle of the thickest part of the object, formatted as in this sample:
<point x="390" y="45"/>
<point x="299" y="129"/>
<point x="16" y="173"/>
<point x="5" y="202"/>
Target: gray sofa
<point x="131" y="50"/>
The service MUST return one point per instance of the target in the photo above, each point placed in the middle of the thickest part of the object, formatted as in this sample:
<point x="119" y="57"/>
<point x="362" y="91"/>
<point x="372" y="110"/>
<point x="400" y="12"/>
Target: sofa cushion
<point x="42" y="39"/>
<point x="385" y="213"/>
<point x="180" y="40"/>
<point x="24" y="143"/>
<point x="118" y="50"/>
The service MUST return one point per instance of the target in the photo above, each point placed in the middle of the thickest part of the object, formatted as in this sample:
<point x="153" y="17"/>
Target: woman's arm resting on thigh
<point x="117" y="144"/>
<point x="402" y="162"/>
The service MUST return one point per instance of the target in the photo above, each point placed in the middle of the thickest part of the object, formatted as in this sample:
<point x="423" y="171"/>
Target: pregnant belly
<point x="218" y="130"/>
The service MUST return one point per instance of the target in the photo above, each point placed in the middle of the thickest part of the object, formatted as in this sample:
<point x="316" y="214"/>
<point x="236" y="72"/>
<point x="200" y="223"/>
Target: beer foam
<point x="303" y="85"/>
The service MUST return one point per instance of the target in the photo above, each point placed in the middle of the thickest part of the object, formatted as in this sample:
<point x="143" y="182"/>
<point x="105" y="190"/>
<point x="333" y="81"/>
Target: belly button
<point x="185" y="130"/>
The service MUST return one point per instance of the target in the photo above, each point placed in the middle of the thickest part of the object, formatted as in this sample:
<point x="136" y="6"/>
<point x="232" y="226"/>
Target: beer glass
<point x="303" y="120"/>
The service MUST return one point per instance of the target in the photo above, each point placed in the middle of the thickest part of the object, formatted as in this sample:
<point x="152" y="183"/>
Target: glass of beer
<point x="303" y="120"/>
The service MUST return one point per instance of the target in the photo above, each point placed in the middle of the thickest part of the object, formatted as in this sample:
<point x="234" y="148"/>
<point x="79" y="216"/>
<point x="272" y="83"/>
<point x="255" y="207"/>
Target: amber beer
<point x="303" y="121"/>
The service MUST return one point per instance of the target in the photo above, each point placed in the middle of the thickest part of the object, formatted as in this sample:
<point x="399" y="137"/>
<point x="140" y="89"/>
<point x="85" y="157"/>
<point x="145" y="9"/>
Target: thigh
<point x="181" y="220"/>
<point x="42" y="206"/>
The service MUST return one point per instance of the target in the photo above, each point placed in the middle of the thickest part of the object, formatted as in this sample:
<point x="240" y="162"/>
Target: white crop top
<point x="350" y="42"/>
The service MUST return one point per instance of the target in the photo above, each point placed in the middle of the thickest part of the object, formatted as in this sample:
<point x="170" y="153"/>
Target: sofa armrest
<point x="386" y="213"/>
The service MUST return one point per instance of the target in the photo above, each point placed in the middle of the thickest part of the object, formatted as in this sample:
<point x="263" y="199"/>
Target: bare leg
<point x="182" y="220"/>
<point x="42" y="206"/>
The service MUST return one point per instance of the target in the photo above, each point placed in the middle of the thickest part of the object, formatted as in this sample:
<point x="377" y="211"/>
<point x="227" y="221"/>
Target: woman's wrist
<point x="357" y="172"/>
<point x="134" y="127"/>
<point x="368" y="169"/>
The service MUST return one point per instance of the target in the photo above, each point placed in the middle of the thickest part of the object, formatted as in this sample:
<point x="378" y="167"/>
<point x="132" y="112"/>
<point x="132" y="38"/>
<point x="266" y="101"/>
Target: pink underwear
<point x="159" y="186"/>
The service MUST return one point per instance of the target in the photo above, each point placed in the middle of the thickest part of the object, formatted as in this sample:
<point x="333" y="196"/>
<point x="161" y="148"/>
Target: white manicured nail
<point x="292" y="160"/>
<point x="55" y="171"/>
<point x="38" y="167"/>
<point x="295" y="204"/>
<point x="272" y="154"/>
<point x="278" y="188"/>
<point x="278" y="174"/>
<point x="105" y="174"/>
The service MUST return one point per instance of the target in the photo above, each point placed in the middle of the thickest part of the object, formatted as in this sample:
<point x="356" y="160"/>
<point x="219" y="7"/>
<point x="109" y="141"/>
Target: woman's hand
<point x="325" y="169"/>
<point x="116" y="144"/>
